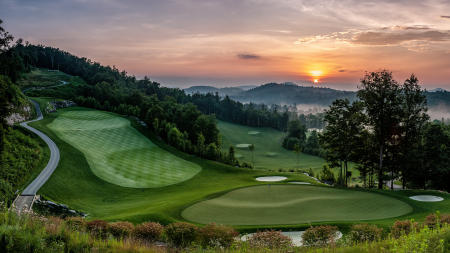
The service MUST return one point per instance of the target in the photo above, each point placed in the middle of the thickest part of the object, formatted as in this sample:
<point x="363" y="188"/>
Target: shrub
<point x="120" y="229"/>
<point x="319" y="236"/>
<point x="181" y="234"/>
<point x="402" y="228"/>
<point x="365" y="233"/>
<point x="98" y="228"/>
<point x="76" y="223"/>
<point x="270" y="239"/>
<point x="445" y="218"/>
<point x="151" y="231"/>
<point x="431" y="220"/>
<point x="213" y="235"/>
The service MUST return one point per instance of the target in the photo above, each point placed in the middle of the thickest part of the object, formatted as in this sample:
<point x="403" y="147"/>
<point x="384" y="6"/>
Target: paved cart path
<point x="24" y="201"/>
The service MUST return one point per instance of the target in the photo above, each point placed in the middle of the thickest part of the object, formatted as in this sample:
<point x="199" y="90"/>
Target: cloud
<point x="445" y="16"/>
<point x="342" y="70"/>
<point x="248" y="56"/>
<point x="392" y="38"/>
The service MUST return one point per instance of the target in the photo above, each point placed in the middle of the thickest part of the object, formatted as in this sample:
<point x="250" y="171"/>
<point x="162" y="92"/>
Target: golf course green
<point x="294" y="204"/>
<point x="268" y="153"/>
<point x="118" y="153"/>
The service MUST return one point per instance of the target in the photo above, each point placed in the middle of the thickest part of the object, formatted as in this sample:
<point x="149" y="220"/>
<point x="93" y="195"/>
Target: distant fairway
<point x="268" y="153"/>
<point x="294" y="204"/>
<point x="118" y="153"/>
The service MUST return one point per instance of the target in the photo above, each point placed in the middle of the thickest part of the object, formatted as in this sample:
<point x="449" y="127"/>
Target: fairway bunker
<point x="270" y="154"/>
<point x="271" y="179"/>
<point x="298" y="182"/>
<point x="243" y="145"/>
<point x="426" y="198"/>
<point x="296" y="237"/>
<point x="254" y="133"/>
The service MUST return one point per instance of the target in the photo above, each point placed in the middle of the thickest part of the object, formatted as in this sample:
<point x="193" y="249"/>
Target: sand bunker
<point x="298" y="182"/>
<point x="243" y="145"/>
<point x="271" y="179"/>
<point x="427" y="198"/>
<point x="253" y="132"/>
<point x="296" y="237"/>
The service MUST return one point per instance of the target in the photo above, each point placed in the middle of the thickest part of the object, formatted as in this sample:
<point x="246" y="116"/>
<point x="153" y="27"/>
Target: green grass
<point x="294" y="204"/>
<point x="268" y="153"/>
<point x="75" y="185"/>
<point x="39" y="78"/>
<point x="118" y="153"/>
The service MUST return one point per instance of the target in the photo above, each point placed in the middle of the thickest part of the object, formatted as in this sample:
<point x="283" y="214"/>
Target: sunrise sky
<point x="244" y="42"/>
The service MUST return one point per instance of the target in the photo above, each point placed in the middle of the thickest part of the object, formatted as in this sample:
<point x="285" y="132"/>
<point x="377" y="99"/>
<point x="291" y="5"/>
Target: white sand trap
<point x="270" y="154"/>
<point x="271" y="178"/>
<point x="253" y="132"/>
<point x="243" y="145"/>
<point x="296" y="237"/>
<point x="427" y="198"/>
<point x="298" y="182"/>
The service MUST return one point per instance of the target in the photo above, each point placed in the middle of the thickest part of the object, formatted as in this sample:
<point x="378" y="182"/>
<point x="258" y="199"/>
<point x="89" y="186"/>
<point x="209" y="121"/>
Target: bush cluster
<point x="270" y="239"/>
<point x="320" y="236"/>
<point x="365" y="233"/>
<point x="150" y="231"/>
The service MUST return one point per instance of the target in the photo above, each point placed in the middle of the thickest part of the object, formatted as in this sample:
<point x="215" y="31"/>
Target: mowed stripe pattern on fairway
<point x="294" y="204"/>
<point x="118" y="153"/>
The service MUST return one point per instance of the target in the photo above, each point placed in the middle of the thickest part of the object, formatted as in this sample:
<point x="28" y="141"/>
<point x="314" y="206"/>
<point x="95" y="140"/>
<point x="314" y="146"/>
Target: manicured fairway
<point x="294" y="204"/>
<point x="118" y="153"/>
<point x="268" y="153"/>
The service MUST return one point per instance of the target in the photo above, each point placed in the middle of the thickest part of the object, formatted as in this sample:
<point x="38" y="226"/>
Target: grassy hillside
<point x="75" y="184"/>
<point x="44" y="78"/>
<point x="118" y="153"/>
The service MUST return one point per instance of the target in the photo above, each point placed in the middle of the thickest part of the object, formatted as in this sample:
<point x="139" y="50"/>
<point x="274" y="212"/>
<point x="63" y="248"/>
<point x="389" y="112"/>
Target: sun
<point x="316" y="80"/>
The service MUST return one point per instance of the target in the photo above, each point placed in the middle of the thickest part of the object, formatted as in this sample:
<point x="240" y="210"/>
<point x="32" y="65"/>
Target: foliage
<point x="403" y="228"/>
<point x="121" y="229"/>
<point x="296" y="135"/>
<point x="327" y="175"/>
<point x="213" y="235"/>
<point x="98" y="228"/>
<point x="365" y="233"/>
<point x="270" y="239"/>
<point x="320" y="236"/>
<point x="149" y="231"/>
<point x="181" y="234"/>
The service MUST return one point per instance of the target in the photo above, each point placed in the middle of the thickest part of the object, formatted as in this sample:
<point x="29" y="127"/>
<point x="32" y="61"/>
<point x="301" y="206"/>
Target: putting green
<point x="294" y="204"/>
<point x="118" y="153"/>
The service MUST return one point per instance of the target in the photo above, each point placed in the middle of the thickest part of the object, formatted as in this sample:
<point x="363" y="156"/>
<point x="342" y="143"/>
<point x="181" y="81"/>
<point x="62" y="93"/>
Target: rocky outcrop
<point x="19" y="115"/>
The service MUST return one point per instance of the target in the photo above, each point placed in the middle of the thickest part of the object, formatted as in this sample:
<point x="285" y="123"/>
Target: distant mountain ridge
<point x="291" y="93"/>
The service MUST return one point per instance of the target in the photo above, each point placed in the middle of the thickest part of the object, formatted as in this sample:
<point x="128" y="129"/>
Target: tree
<point x="436" y="162"/>
<point x="5" y="39"/>
<point x="312" y="145"/>
<point x="413" y="120"/>
<point x="342" y="134"/>
<point x="231" y="155"/>
<point x="252" y="148"/>
<point x="5" y="100"/>
<point x="296" y="135"/>
<point x="297" y="150"/>
<point x="381" y="96"/>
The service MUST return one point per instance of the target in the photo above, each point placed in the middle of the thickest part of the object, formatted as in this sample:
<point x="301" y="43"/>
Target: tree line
<point x="387" y="133"/>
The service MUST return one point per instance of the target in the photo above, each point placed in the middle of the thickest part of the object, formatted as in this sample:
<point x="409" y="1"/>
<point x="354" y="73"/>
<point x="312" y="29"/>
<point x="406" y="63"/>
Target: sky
<point x="181" y="43"/>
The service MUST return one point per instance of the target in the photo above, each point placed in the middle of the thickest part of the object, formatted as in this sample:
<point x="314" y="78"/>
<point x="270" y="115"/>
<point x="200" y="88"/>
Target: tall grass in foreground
<point x="31" y="233"/>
